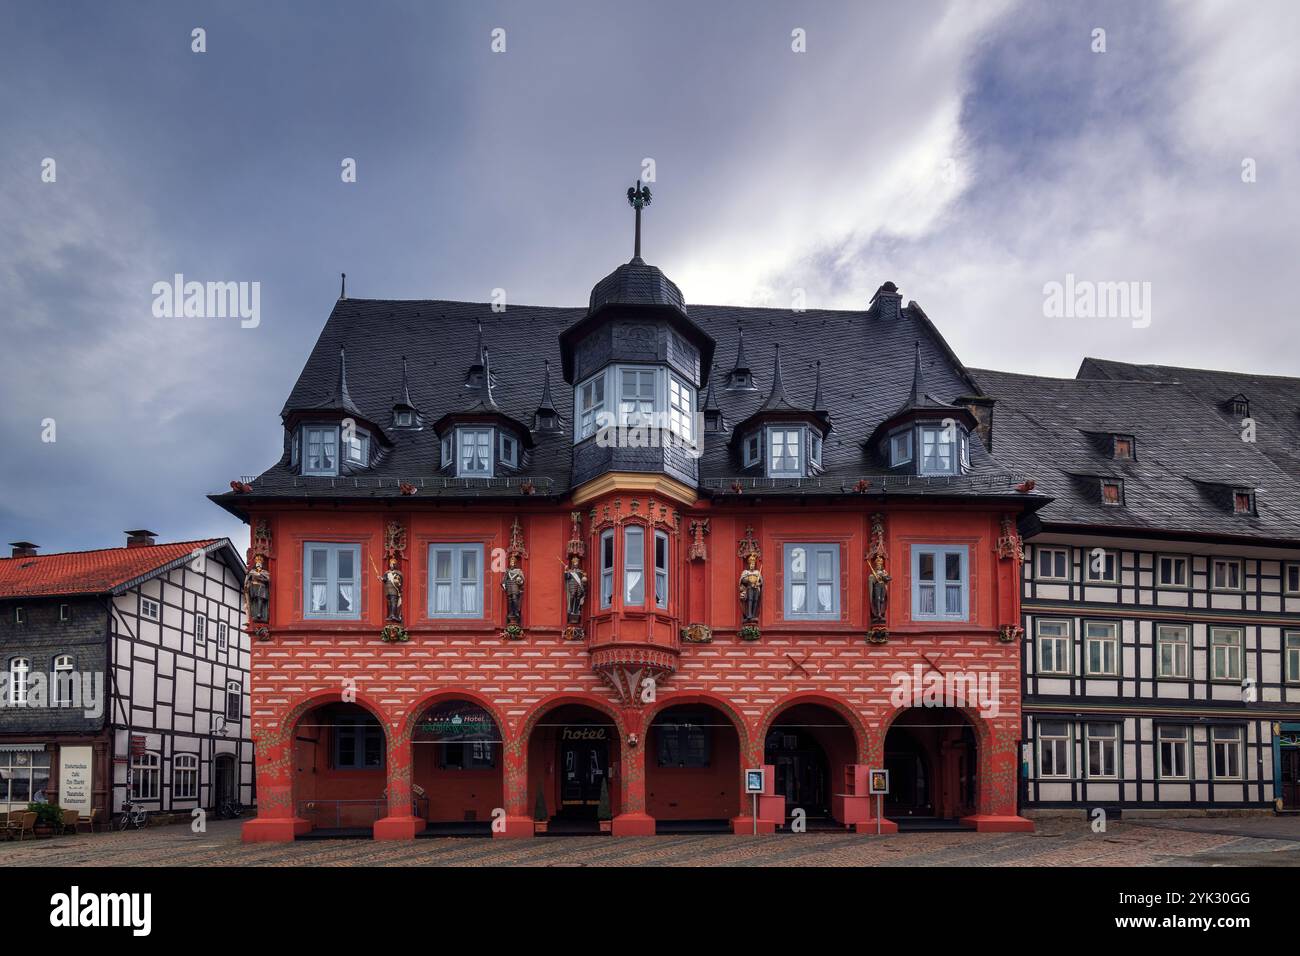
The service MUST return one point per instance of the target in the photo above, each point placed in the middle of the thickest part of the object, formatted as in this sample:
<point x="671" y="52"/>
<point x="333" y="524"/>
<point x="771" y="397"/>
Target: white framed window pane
<point x="442" y="597"/>
<point x="633" y="566"/>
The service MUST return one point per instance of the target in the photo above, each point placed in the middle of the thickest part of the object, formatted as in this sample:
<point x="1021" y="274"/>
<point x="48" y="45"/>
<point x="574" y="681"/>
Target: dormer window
<point x="753" y="453"/>
<point x="1122" y="447"/>
<point x="1112" y="491"/>
<point x="785" y="446"/>
<point x="815" y="449"/>
<point x="1240" y="406"/>
<point x="939" y="449"/>
<point x="1243" y="501"/>
<point x="403" y="418"/>
<point x="647" y="397"/>
<point x="321" y="445"/>
<point x="473" y="453"/>
<point x="900" y="449"/>
<point x="509" y="450"/>
<point x="356" y="445"/>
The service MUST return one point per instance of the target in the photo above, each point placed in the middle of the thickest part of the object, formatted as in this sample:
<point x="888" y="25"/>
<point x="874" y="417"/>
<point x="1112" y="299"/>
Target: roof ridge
<point x="139" y="547"/>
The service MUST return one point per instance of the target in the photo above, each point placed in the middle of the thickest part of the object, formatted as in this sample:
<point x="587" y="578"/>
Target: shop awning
<point x="21" y="748"/>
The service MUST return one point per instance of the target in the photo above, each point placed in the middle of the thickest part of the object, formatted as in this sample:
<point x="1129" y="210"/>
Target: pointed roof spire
<point x="485" y="399"/>
<point x="406" y="387"/>
<point x="776" y="398"/>
<point x="918" y="384"/>
<point x="343" y="286"/>
<point x="638" y="197"/>
<point x="474" y="377"/>
<point x="546" y="404"/>
<point x="341" y="398"/>
<point x="740" y="349"/>
<point x="711" y="400"/>
<point x="817" y="404"/>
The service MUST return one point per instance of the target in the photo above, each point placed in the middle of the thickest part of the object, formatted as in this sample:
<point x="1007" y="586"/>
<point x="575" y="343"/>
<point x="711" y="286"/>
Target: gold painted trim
<point x="634" y="481"/>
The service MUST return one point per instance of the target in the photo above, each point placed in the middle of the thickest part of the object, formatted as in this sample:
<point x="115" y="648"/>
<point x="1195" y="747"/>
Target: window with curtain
<point x="633" y="566"/>
<point x="606" y="568"/>
<point x="455" y="580"/>
<point x="812" y="573"/>
<point x="938" y="450"/>
<point x="636" y="396"/>
<point x="322" y="450"/>
<point x="475" y="453"/>
<point x="331" y="586"/>
<point x="661" y="569"/>
<point x="939" y="583"/>
<point x="784" y="458"/>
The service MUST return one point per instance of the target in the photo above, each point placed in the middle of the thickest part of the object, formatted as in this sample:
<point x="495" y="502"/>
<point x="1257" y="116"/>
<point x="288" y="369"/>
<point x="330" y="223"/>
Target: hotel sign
<point x="76" y="779"/>
<point x="457" y="722"/>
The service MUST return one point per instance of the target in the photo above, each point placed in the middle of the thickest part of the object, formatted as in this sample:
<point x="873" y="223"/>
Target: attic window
<point x="1123" y="447"/>
<point x="1243" y="501"/>
<point x="402" y="418"/>
<point x="1112" y="491"/>
<point x="1240" y="406"/>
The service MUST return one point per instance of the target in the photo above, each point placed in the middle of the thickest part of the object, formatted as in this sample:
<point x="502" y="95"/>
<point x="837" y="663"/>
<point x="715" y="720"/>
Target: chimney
<point x="23" y="549"/>
<point x="140" y="538"/>
<point x="982" y="408"/>
<point x="887" y="302"/>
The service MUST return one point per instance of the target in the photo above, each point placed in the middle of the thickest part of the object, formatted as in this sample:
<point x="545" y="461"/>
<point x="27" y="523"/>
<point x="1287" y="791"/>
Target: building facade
<point x="126" y="677"/>
<point x="1161" y="592"/>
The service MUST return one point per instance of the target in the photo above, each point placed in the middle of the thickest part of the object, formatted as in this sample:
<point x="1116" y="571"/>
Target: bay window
<point x="938" y="449"/>
<point x="633" y="566"/>
<point x="645" y="396"/>
<point x="939" y="583"/>
<point x="474" y="453"/>
<point x="784" y="457"/>
<point x="607" y="569"/>
<point x="331" y="581"/>
<point x="321" y="442"/>
<point x="661" y="569"/>
<point x="590" y="402"/>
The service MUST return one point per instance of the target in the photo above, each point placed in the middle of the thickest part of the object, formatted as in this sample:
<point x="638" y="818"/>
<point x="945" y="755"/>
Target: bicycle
<point x="229" y="810"/>
<point x="133" y="815"/>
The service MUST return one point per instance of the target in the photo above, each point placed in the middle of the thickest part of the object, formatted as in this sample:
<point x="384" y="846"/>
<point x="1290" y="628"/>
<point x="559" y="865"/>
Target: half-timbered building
<point x="1161" y="592"/>
<point x="126" y="677"/>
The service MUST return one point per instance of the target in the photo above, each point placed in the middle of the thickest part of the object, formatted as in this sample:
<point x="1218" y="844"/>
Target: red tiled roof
<point x="87" y="572"/>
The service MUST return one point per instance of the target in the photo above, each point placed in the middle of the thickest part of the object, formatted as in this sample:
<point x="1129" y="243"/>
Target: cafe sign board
<point x="76" y="779"/>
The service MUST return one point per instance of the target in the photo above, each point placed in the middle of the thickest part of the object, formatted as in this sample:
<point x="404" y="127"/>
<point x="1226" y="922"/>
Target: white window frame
<point x="1107" y="634"/>
<point x="1177" y="739"/>
<point x="1291" y="653"/>
<point x="1058" y="642"/>
<point x="329" y="440"/>
<point x="20" y="675"/>
<point x="223" y="635"/>
<point x="481" y="438"/>
<point x="812" y="578"/>
<point x="185" y="777"/>
<point x="662" y="559"/>
<point x="901" y="455"/>
<point x="1101" y="739"/>
<point x="814" y="448"/>
<point x="65" y="613"/>
<point x="61" y="692"/>
<point x="201" y="630"/>
<point x="590" y="400"/>
<point x="1174" y="560"/>
<point x="508" y="449"/>
<point x="608" y="559"/>
<point x="20" y="615"/>
<point x="235" y="696"/>
<point x="356" y="448"/>
<point x="681" y="407"/>
<point x="145" y="776"/>
<point x="1226" y="743"/>
<point x="1060" y="750"/>
<point x="1059" y="557"/>
<point x="773" y="459"/>
<point x="1235" y="662"/>
<point x="448" y="446"/>
<point x="634" y="566"/>
<point x="1108" y="557"/>
<point x="753" y="449"/>
<point x="1227" y="564"/>
<point x="1289" y="571"/>
<point x="331" y="581"/>
<point x="942" y="583"/>
<point x="462" y="604"/>
<point x="149" y="608"/>
<point x="403" y="418"/>
<point x="1178" y="636"/>
<point x="949" y="450"/>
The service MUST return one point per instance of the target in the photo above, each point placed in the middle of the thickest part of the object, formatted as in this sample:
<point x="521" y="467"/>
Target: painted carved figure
<point x="257" y="590"/>
<point x="575" y="589"/>
<point x="751" y="590"/>
<point x="880" y="579"/>
<point x="512" y="582"/>
<point x="392" y="579"/>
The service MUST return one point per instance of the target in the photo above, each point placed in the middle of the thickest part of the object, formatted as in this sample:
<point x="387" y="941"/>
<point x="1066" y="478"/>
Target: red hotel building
<point x="432" y="438"/>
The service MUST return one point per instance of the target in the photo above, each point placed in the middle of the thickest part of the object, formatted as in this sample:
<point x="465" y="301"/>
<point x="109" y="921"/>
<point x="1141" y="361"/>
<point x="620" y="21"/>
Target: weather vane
<point x="638" y="197"/>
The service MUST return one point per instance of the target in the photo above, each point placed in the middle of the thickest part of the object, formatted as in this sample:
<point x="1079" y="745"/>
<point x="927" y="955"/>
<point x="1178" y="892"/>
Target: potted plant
<point x="603" y="813"/>
<point x="540" y="815"/>
<point x="49" y="818"/>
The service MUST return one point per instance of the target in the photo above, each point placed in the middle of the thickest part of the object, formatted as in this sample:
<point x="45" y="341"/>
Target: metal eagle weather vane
<point x="638" y="197"/>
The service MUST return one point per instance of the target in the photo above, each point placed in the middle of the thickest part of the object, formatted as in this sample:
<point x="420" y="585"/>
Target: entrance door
<point x="1290" y="778"/>
<point x="801" y="772"/>
<point x="584" y="763"/>
<point x="224" y="779"/>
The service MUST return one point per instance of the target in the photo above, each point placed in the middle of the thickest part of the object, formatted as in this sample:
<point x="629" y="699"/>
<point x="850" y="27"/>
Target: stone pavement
<point x="1269" y="841"/>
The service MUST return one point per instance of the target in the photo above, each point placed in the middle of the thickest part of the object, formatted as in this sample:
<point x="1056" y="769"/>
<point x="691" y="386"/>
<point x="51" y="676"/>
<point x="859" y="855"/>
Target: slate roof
<point x="1189" y="456"/>
<point x="866" y="373"/>
<point x="1274" y="400"/>
<point x="106" y="571"/>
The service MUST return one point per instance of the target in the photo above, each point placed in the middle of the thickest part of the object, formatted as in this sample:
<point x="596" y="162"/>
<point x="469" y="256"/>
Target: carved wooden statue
<point x="751" y="591"/>
<point x="879" y="579"/>
<point x="257" y="590"/>
<point x="392" y="580"/>
<point x="575" y="589"/>
<point x="513" y="584"/>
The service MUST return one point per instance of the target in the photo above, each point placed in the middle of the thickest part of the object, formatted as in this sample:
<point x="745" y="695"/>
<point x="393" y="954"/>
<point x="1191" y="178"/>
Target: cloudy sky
<point x="971" y="153"/>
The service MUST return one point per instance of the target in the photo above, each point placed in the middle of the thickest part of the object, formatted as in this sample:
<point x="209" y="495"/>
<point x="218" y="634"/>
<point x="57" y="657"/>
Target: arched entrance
<point x="692" y="769"/>
<point x="932" y="758"/>
<point x="457" y="768"/>
<point x="573" y="755"/>
<point x="340" y="757"/>
<point x="809" y="746"/>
